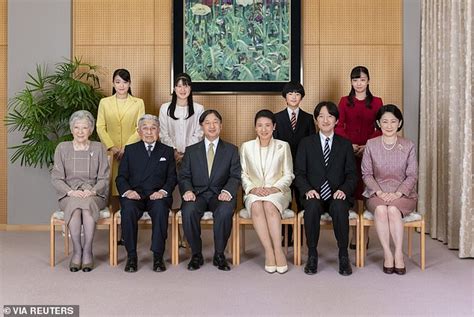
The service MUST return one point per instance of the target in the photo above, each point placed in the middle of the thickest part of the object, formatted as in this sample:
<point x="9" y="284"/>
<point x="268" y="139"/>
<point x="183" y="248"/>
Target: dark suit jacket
<point x="284" y="132"/>
<point x="311" y="171"/>
<point x="226" y="170"/>
<point x="144" y="174"/>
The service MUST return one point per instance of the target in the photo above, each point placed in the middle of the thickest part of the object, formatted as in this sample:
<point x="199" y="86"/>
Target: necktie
<point x="325" y="189"/>
<point x="210" y="157"/>
<point x="148" y="149"/>
<point x="293" y="120"/>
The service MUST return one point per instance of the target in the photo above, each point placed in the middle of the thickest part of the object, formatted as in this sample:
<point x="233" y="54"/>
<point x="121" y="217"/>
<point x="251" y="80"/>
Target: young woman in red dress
<point x="357" y="113"/>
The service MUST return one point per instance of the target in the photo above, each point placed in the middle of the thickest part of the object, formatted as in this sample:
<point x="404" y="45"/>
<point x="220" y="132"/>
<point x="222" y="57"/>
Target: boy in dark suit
<point x="326" y="178"/>
<point x="291" y="125"/>
<point x="146" y="178"/>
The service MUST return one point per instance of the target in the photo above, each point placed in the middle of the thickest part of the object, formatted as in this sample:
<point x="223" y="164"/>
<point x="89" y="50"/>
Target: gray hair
<point x="149" y="117"/>
<point x="82" y="115"/>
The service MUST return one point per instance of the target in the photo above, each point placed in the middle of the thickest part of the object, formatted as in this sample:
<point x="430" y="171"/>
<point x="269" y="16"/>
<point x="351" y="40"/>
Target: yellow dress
<point x="117" y="125"/>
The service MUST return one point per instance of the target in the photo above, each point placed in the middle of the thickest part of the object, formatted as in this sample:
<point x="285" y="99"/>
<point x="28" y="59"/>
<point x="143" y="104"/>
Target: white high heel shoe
<point x="282" y="269"/>
<point x="270" y="268"/>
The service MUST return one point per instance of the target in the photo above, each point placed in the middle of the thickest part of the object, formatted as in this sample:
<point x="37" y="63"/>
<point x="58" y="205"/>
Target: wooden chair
<point x="243" y="218"/>
<point x="207" y="220"/>
<point x="326" y="223"/>
<point x="413" y="220"/>
<point x="144" y="221"/>
<point x="57" y="219"/>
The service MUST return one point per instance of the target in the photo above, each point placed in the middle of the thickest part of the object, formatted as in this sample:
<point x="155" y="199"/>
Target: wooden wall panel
<point x="113" y="22"/>
<point x="163" y="23"/>
<point x="162" y="74"/>
<point x="311" y="77"/>
<point x="337" y="35"/>
<point x="310" y="22"/>
<point x="3" y="111"/>
<point x="358" y="22"/>
<point x="3" y="22"/>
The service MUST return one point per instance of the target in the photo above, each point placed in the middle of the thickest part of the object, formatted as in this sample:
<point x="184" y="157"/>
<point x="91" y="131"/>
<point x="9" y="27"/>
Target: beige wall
<point x="3" y="110"/>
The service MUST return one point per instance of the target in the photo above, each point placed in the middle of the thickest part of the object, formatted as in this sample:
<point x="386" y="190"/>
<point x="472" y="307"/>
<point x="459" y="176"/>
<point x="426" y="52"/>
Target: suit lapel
<point x="202" y="157"/>
<point x="318" y="149"/>
<point x="220" y="154"/>
<point x="128" y="106"/>
<point x="257" y="153"/>
<point x="334" y="151"/>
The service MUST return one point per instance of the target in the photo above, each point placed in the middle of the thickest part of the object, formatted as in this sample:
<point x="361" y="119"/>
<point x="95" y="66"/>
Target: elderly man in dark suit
<point x="326" y="176"/>
<point x="145" y="181"/>
<point x="208" y="180"/>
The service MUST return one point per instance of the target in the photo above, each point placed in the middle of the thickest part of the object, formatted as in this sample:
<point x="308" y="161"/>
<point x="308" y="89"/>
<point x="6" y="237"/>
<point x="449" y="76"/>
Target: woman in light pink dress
<point x="390" y="173"/>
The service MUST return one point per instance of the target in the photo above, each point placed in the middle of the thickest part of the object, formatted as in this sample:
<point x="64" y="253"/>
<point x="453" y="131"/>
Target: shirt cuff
<point x="225" y="191"/>
<point x="164" y="192"/>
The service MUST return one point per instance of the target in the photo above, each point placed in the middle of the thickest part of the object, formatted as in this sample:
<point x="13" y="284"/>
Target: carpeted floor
<point x="444" y="288"/>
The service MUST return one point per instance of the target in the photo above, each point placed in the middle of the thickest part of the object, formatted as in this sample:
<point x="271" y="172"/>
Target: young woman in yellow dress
<point x="117" y="119"/>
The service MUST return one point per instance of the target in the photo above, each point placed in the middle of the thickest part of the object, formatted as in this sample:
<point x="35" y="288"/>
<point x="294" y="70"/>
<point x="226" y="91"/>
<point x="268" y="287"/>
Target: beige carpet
<point x="444" y="288"/>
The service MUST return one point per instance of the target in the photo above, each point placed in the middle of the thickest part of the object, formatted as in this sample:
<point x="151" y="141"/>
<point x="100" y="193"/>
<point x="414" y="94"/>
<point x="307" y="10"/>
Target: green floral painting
<point x="237" y="40"/>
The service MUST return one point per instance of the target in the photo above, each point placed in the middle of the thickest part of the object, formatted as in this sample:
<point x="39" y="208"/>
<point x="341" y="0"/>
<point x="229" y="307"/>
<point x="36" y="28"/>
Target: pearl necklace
<point x="389" y="148"/>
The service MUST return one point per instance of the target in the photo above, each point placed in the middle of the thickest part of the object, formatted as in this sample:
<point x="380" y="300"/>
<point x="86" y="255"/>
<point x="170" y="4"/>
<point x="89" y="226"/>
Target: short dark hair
<point x="331" y="106"/>
<point x="208" y="112"/>
<point x="264" y="113"/>
<point x="125" y="75"/>
<point x="393" y="110"/>
<point x="293" y="86"/>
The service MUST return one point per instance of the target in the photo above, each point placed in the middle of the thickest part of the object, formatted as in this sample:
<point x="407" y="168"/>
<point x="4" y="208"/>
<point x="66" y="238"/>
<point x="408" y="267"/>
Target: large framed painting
<point x="237" y="46"/>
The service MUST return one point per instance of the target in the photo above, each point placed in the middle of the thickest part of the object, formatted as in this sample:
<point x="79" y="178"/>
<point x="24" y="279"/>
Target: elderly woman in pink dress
<point x="390" y="173"/>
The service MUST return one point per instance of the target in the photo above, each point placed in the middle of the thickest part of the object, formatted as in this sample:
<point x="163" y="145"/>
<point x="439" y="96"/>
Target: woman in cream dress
<point x="267" y="173"/>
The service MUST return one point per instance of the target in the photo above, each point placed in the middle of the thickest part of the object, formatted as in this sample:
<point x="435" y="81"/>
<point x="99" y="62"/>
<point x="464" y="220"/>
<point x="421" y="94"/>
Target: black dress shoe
<point x="312" y="265"/>
<point x="132" y="265"/>
<point x="220" y="261"/>
<point x="196" y="262"/>
<point x="121" y="242"/>
<point x="345" y="266"/>
<point x="158" y="264"/>
<point x="400" y="271"/>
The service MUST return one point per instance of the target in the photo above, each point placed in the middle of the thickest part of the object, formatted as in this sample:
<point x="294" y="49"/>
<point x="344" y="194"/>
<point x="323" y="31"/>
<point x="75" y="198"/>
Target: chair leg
<point x="173" y="262"/>
<point x="409" y="242"/>
<point x="362" y="245"/>
<point x="242" y="233"/>
<point x="111" y="240"/>
<point x="66" y="240"/>
<point x="237" y="242"/>
<point x="296" y="245"/>
<point x="52" y="246"/>
<point x="286" y="240"/>
<point x="422" y="245"/>
<point x="115" y="241"/>
<point x="358" y="242"/>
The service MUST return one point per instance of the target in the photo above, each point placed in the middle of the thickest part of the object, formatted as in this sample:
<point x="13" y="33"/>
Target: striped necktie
<point x="325" y="189"/>
<point x="293" y="120"/>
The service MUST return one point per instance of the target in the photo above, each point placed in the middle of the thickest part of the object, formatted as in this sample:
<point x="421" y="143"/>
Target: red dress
<point x="357" y="124"/>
